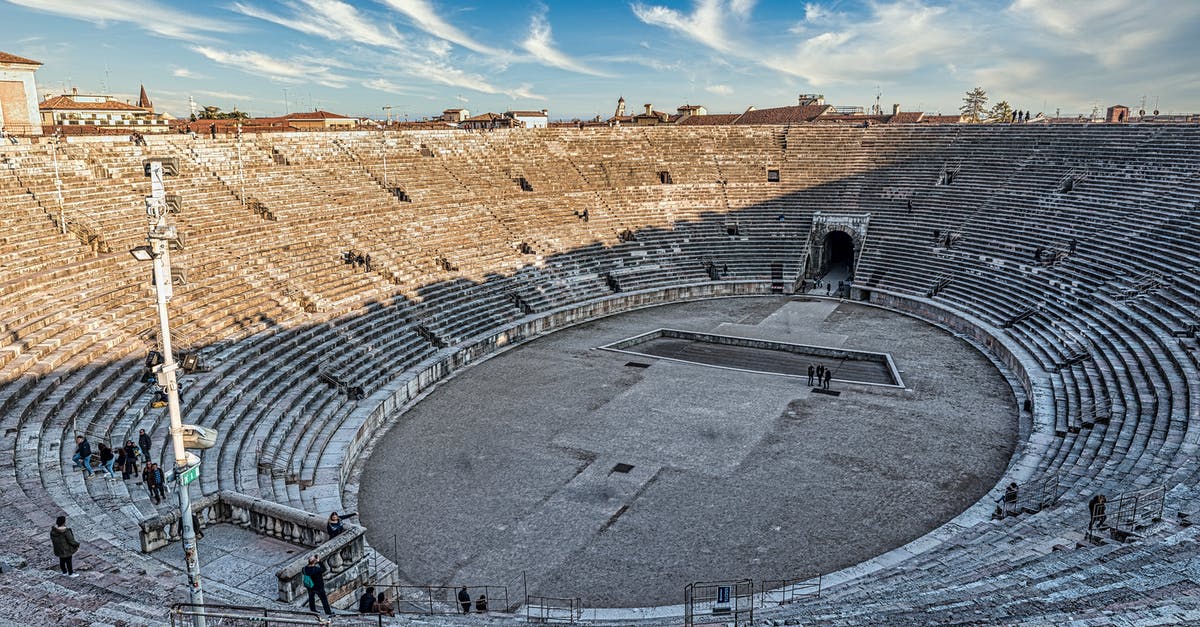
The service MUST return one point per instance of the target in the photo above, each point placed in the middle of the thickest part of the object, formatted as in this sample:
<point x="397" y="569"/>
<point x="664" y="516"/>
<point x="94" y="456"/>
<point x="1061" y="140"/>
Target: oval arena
<point x="1036" y="287"/>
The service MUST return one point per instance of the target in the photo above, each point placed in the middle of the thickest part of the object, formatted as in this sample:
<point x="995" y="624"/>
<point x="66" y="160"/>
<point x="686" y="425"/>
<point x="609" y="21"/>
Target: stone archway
<point x="835" y="239"/>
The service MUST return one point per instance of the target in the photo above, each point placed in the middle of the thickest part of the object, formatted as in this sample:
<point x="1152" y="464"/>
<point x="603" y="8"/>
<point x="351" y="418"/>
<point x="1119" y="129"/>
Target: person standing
<point x="65" y="545"/>
<point x="811" y="371"/>
<point x="144" y="443"/>
<point x="83" y="455"/>
<point x="106" y="460"/>
<point x="828" y="378"/>
<point x="314" y="581"/>
<point x="464" y="600"/>
<point x="131" y="467"/>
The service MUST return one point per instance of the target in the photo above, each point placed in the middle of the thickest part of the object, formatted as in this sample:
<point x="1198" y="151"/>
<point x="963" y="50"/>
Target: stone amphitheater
<point x="480" y="242"/>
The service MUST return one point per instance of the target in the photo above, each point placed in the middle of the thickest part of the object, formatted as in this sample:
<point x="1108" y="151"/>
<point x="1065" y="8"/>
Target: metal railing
<point x="784" y="591"/>
<point x="556" y="610"/>
<point x="181" y="614"/>
<point x="443" y="600"/>
<point x="729" y="602"/>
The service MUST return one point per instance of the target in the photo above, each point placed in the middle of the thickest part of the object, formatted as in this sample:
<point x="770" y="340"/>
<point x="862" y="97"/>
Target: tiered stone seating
<point x="302" y="347"/>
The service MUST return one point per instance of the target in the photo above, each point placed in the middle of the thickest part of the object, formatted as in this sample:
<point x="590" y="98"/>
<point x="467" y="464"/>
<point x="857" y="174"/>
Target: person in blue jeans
<point x="107" y="458"/>
<point x="315" y="573"/>
<point x="83" y="455"/>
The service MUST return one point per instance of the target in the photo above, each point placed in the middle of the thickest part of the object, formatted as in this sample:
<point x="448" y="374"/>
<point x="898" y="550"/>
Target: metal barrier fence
<point x="443" y="600"/>
<point x="554" y="610"/>
<point x="784" y="591"/>
<point x="728" y="602"/>
<point x="1129" y="513"/>
<point x="181" y="615"/>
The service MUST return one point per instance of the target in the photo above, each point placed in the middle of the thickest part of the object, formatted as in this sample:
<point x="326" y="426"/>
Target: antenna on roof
<point x="878" y="108"/>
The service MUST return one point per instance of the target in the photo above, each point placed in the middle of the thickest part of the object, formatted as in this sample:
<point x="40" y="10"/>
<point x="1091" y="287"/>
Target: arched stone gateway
<point x="835" y="242"/>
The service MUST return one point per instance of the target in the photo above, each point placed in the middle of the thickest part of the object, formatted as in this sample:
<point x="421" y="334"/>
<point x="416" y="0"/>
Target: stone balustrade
<point x="344" y="557"/>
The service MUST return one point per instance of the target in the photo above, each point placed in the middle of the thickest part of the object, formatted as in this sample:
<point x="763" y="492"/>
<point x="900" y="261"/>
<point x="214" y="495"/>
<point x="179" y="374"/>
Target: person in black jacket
<point x="131" y="466"/>
<point x="144" y="443"/>
<point x="464" y="600"/>
<point x="65" y="545"/>
<point x="106" y="459"/>
<point x="335" y="525"/>
<point x="316" y="574"/>
<point x="83" y="455"/>
<point x="366" y="603"/>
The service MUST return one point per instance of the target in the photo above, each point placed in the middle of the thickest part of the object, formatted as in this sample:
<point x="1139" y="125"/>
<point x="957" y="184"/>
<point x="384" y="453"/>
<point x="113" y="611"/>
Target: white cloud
<point x="330" y="19"/>
<point x="705" y="24"/>
<point x="720" y="90"/>
<point x="540" y="44"/>
<point x="182" y="72"/>
<point x="288" y="71"/>
<point x="146" y="14"/>
<point x="895" y="38"/>
<point x="383" y="84"/>
<point x="1111" y="31"/>
<point x="423" y="15"/>
<point x="225" y="95"/>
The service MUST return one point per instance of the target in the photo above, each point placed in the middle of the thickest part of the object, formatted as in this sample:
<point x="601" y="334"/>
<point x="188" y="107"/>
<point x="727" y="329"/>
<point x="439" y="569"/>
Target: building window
<point x="772" y="176"/>
<point x="664" y="177"/>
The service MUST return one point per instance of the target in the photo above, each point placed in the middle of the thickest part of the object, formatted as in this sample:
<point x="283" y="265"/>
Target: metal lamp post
<point x="162" y="236"/>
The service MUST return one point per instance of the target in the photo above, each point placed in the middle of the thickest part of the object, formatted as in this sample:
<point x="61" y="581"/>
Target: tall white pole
<point x="160" y="236"/>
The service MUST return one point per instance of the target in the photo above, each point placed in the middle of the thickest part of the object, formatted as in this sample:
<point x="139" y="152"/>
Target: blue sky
<point x="576" y="58"/>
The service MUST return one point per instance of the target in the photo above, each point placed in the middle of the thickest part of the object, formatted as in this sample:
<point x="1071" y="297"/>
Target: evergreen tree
<point x="1001" y="112"/>
<point x="974" y="104"/>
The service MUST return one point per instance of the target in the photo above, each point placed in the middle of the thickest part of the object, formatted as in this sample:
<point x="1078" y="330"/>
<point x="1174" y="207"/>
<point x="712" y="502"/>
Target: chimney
<point x="546" y="112"/>
<point x="895" y="109"/>
<point x="74" y="91"/>
<point x="649" y="109"/>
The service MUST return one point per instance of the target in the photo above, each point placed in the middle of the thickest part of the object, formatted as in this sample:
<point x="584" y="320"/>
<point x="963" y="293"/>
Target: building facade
<point x="18" y="95"/>
<point x="76" y="113"/>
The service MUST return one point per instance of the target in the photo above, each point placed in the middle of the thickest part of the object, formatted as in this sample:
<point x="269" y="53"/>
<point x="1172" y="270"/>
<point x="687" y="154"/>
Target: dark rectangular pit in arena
<point x="765" y="356"/>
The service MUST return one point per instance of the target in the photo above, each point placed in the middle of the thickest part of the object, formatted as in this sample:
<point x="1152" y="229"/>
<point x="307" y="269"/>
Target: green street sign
<point x="190" y="475"/>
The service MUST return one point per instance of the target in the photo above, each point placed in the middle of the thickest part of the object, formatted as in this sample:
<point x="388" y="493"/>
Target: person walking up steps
<point x="106" y="460"/>
<point x="83" y="455"/>
<point x="65" y="545"/>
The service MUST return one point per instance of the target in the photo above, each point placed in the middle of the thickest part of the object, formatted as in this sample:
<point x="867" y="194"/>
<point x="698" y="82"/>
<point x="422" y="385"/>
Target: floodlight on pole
<point x="163" y="237"/>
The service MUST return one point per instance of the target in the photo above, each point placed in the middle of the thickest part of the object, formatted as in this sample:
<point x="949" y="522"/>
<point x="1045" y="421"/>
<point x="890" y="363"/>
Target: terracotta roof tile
<point x="66" y="102"/>
<point x="527" y="114"/>
<point x="315" y="115"/>
<point x="712" y="119"/>
<point x="784" y="115"/>
<point x="12" y="58"/>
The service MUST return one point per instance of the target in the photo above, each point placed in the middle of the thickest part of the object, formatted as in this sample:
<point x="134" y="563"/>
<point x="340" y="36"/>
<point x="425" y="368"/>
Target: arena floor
<point x="508" y="467"/>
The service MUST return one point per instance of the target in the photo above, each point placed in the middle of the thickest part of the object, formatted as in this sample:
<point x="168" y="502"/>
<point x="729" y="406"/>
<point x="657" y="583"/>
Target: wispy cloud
<point x="426" y="18"/>
<point x="383" y="84"/>
<point x="329" y="19"/>
<point x="540" y="44"/>
<point x="706" y="23"/>
<point x="718" y="89"/>
<point x="223" y="95"/>
<point x="891" y="39"/>
<point x="287" y="71"/>
<point x="145" y="14"/>
<point x="182" y="72"/>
